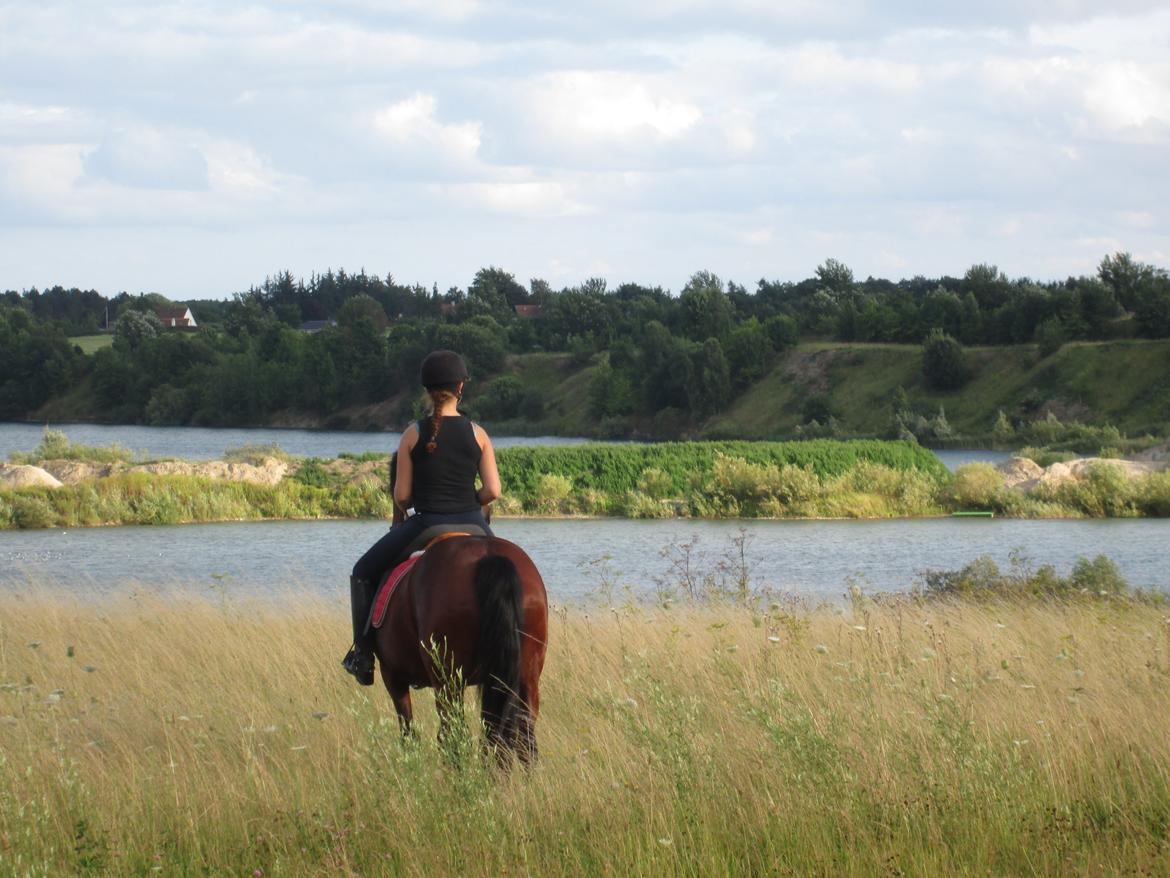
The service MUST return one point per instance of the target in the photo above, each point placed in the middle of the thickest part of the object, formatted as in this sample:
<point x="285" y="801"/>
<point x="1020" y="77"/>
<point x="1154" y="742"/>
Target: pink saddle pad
<point x="382" y="601"/>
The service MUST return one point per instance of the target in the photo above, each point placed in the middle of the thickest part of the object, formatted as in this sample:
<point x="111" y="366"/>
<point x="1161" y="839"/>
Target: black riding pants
<point x="381" y="556"/>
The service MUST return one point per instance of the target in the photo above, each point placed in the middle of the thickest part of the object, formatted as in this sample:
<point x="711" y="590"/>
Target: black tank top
<point x="444" y="480"/>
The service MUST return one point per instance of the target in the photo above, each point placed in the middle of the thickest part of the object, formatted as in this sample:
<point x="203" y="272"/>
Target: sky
<point x="194" y="148"/>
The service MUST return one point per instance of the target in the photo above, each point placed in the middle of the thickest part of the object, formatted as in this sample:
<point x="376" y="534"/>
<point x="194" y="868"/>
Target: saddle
<point x="417" y="548"/>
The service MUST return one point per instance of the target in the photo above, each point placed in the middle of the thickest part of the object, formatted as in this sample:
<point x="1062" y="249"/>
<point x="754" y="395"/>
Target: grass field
<point x="191" y="737"/>
<point x="91" y="343"/>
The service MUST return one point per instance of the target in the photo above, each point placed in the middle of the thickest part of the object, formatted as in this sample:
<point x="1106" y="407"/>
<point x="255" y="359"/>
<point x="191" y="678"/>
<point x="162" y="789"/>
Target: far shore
<point x="61" y="485"/>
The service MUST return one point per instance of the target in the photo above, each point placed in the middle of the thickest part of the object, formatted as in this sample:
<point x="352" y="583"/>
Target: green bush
<point x="639" y="505"/>
<point x="363" y="457"/>
<point x="944" y="362"/>
<point x="977" y="486"/>
<point x="1045" y="457"/>
<point x="1104" y="492"/>
<point x="55" y="445"/>
<point x="32" y="511"/>
<point x="1153" y="494"/>
<point x="1099" y="576"/>
<point x="982" y="578"/>
<point x="552" y="493"/>
<point x="311" y="472"/>
<point x="655" y="483"/>
<point x="255" y="453"/>
<point x="617" y="469"/>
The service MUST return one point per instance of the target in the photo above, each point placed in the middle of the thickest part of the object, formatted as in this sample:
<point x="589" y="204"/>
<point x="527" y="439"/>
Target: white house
<point x="180" y="317"/>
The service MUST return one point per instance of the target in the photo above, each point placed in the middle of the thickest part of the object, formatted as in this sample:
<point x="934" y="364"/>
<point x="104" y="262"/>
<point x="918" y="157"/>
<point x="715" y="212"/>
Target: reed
<point x="192" y="736"/>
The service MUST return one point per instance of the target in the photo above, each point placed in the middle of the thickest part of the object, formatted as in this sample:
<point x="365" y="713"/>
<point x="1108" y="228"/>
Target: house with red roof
<point x="178" y="317"/>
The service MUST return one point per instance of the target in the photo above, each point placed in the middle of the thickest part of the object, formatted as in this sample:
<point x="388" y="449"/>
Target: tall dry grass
<point x="180" y="736"/>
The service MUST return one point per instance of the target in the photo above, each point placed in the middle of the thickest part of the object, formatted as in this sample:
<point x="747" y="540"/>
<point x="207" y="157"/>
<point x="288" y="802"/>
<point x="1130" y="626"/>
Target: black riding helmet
<point x="440" y="368"/>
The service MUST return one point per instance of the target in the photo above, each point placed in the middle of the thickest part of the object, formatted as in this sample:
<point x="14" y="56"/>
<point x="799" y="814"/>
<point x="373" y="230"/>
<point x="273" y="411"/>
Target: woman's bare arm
<point x="404" y="480"/>
<point x="488" y="474"/>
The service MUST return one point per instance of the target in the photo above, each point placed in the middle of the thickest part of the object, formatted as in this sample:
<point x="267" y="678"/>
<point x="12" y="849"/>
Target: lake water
<point x="953" y="458"/>
<point x="814" y="558"/>
<point x="205" y="443"/>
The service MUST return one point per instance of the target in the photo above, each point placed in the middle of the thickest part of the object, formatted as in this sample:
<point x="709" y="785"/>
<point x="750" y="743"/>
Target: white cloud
<point x="533" y="199"/>
<point x="410" y="127"/>
<point x="604" y="107"/>
<point x="1126" y="95"/>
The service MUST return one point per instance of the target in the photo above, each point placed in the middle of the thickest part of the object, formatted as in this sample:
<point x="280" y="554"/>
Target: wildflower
<point x="821" y="648"/>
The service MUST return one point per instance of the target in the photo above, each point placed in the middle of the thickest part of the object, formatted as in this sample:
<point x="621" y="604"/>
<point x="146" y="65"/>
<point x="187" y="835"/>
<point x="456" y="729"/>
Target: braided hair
<point x="439" y="396"/>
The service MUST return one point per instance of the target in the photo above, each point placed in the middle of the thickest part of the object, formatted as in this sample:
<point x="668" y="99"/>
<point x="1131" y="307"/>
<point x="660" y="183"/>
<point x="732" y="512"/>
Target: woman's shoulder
<point x="480" y="434"/>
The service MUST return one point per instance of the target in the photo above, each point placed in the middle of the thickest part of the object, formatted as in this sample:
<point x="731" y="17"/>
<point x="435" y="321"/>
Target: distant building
<point x="177" y="318"/>
<point x="529" y="312"/>
<point x="316" y="325"/>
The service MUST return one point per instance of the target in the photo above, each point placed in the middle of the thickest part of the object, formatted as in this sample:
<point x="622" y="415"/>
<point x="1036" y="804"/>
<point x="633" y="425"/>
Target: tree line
<point x="675" y="358"/>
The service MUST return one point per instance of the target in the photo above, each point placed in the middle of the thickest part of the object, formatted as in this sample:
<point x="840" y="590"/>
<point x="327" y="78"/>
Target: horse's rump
<point x="471" y="611"/>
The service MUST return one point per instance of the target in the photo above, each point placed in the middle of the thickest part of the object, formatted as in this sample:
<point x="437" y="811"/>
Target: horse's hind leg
<point x="527" y="710"/>
<point x="400" y="695"/>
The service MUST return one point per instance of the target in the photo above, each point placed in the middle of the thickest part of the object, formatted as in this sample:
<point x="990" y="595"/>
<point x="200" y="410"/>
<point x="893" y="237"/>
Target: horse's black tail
<point x="498" y="594"/>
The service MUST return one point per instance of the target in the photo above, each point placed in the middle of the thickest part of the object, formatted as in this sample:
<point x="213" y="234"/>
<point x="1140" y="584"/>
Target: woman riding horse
<point x="438" y="460"/>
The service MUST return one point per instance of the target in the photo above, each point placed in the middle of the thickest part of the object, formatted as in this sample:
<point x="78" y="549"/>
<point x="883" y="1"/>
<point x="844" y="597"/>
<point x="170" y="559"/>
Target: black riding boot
<point x="359" y="661"/>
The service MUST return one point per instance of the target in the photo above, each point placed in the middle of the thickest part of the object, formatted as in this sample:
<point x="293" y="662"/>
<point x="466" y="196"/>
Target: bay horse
<point x="471" y="611"/>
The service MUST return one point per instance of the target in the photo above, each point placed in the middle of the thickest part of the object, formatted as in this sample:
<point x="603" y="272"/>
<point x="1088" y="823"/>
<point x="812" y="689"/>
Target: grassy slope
<point x="562" y="385"/>
<point x="1126" y="383"/>
<point x="92" y="343"/>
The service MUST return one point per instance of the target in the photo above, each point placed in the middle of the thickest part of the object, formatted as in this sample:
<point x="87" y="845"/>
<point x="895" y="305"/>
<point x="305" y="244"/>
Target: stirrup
<point x="361" y="664"/>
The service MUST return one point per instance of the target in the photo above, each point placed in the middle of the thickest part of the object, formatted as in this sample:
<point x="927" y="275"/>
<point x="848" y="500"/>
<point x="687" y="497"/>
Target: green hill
<point x="1123" y="383"/>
